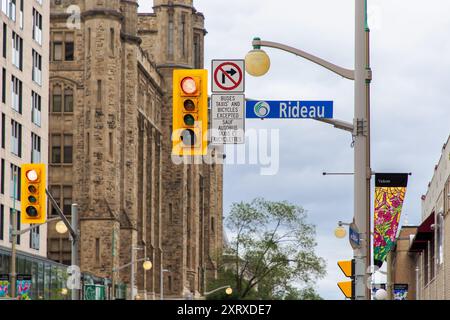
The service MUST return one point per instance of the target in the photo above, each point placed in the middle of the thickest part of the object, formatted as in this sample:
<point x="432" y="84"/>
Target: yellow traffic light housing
<point x="347" y="287"/>
<point x="190" y="112"/>
<point x="33" y="200"/>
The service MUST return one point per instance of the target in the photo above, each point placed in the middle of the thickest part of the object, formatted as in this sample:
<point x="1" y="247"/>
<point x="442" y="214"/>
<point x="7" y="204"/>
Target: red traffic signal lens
<point x="32" y="211"/>
<point x="32" y="175"/>
<point x="188" y="85"/>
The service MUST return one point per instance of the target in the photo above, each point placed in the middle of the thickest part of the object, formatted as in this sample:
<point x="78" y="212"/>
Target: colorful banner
<point x="4" y="285"/>
<point x="23" y="287"/>
<point x="390" y="189"/>
<point x="400" y="291"/>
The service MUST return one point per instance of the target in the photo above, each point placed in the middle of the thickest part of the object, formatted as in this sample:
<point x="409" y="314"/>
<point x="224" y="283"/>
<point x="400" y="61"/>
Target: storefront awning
<point x="424" y="234"/>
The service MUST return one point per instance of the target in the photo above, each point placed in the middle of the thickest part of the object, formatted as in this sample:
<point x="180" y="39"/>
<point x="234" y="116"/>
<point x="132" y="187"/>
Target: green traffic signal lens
<point x="189" y="120"/>
<point x="32" y="189"/>
<point x="189" y="105"/>
<point x="188" y="137"/>
<point x="32" y="199"/>
<point x="32" y="211"/>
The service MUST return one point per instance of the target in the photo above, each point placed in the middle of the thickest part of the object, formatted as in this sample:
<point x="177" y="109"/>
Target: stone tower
<point x="133" y="200"/>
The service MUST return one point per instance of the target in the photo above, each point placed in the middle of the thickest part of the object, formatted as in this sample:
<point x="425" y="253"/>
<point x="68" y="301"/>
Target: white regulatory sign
<point x="228" y="76"/>
<point x="228" y="119"/>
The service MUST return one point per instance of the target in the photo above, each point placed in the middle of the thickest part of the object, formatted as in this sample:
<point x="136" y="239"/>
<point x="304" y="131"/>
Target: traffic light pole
<point x="14" y="240"/>
<point x="75" y="247"/>
<point x="362" y="75"/>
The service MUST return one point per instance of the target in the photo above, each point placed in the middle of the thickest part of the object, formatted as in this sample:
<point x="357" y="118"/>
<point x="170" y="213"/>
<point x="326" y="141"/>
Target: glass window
<point x="56" y="99"/>
<point x="56" y="148"/>
<point x="68" y="148"/>
<point x="68" y="100"/>
<point x="67" y="200"/>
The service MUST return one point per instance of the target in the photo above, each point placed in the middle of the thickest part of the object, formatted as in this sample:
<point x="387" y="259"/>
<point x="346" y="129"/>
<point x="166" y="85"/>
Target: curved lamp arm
<point x="215" y="290"/>
<point x="129" y="264"/>
<point x="343" y="72"/>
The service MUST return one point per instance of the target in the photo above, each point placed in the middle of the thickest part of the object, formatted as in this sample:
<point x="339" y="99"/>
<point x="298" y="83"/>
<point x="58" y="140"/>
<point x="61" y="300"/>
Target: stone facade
<point x="132" y="198"/>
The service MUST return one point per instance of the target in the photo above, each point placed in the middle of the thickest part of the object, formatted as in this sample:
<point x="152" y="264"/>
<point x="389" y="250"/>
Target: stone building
<point x="110" y="144"/>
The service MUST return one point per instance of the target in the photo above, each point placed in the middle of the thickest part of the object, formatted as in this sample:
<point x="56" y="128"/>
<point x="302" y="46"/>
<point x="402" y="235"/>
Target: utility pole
<point x="75" y="247"/>
<point x="14" y="240"/>
<point x="361" y="135"/>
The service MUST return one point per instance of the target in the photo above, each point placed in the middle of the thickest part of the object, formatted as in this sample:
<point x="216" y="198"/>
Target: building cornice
<point x="130" y="38"/>
<point x="173" y="66"/>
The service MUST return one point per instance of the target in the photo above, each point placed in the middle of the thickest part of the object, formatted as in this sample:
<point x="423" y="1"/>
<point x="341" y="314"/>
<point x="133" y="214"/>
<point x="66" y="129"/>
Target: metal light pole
<point x="14" y="239"/>
<point x="161" y="282"/>
<point x="75" y="247"/>
<point x="360" y="129"/>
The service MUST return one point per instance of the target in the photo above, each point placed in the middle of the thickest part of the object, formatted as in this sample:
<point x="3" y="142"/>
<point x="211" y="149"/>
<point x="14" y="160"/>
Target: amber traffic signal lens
<point x="32" y="212"/>
<point x="32" y="189"/>
<point x="188" y="137"/>
<point x="189" y="105"/>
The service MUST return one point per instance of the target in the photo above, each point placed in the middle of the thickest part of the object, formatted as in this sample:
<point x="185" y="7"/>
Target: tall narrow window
<point x="89" y="40"/>
<point x="67" y="199"/>
<point x="36" y="108"/>
<point x="88" y="144"/>
<point x="57" y="99"/>
<point x="4" y="85"/>
<point x="68" y="100"/>
<point x="35" y="148"/>
<point x="99" y="91"/>
<point x="183" y="35"/>
<point x="16" y="138"/>
<point x="197" y="52"/>
<point x="170" y="37"/>
<point x="111" y="40"/>
<point x="111" y="145"/>
<point x="2" y="178"/>
<point x="5" y="39"/>
<point x="97" y="250"/>
<point x="57" y="46"/>
<point x="69" y="47"/>
<point x="68" y="148"/>
<point x="56" y="148"/>
<point x="3" y="130"/>
<point x="2" y="221"/>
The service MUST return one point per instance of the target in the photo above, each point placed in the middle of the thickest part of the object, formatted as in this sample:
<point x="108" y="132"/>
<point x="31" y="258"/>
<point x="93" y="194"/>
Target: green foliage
<point x="272" y="248"/>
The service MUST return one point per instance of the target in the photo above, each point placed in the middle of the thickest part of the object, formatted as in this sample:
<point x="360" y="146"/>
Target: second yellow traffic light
<point x="347" y="287"/>
<point x="190" y="112"/>
<point x="34" y="200"/>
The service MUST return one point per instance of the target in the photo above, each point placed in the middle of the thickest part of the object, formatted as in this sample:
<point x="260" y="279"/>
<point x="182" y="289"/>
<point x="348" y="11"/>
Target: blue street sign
<point x="289" y="109"/>
<point x="354" y="236"/>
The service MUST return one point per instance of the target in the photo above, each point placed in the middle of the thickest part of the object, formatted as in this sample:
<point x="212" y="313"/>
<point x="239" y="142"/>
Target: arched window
<point x="68" y="99"/>
<point x="62" y="99"/>
<point x="56" y="99"/>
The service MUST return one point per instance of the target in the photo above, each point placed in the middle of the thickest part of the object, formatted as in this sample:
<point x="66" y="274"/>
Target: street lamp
<point x="340" y="232"/>
<point x="147" y="265"/>
<point x="228" y="290"/>
<point x="257" y="62"/>
<point x="360" y="128"/>
<point x="61" y="227"/>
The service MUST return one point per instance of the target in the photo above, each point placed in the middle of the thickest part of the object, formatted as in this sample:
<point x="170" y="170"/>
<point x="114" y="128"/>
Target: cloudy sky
<point x="410" y="101"/>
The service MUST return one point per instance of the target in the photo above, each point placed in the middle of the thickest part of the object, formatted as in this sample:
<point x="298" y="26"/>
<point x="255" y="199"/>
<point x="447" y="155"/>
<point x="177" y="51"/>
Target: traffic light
<point x="34" y="200"/>
<point x="190" y="112"/>
<point x="348" y="287"/>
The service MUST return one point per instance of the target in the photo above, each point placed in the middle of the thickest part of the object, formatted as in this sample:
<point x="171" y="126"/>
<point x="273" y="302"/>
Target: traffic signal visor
<point x="33" y="197"/>
<point x="346" y="267"/>
<point x="190" y="112"/>
<point x="347" y="287"/>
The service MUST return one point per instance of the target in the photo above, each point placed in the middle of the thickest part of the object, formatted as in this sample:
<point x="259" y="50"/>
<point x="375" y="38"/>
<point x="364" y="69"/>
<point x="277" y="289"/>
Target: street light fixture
<point x="257" y="62"/>
<point x="340" y="232"/>
<point x="147" y="265"/>
<point x="229" y="291"/>
<point x="61" y="227"/>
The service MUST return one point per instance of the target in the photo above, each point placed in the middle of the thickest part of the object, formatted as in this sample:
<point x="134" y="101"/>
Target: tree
<point x="271" y="249"/>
